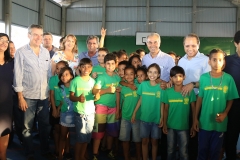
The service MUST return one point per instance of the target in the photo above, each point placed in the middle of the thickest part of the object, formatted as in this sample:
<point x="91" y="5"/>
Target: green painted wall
<point x="115" y="43"/>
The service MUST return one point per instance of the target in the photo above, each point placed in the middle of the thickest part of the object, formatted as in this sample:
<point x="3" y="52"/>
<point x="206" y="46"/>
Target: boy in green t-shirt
<point x="83" y="100"/>
<point x="176" y="115"/>
<point x="107" y="108"/>
<point x="99" y="69"/>
<point x="129" y="99"/>
<point x="216" y="93"/>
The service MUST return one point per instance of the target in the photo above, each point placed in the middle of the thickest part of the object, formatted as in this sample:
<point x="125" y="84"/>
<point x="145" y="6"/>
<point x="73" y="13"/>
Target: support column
<point x="104" y="13"/>
<point x="238" y="19"/>
<point x="194" y="16"/>
<point x="41" y="17"/>
<point x="8" y="16"/>
<point x="147" y="15"/>
<point x="63" y="28"/>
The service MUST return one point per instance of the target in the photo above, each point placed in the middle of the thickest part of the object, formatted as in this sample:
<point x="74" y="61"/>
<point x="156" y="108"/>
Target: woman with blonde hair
<point x="68" y="52"/>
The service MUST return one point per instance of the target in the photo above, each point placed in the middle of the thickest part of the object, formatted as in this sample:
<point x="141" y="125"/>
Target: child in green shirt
<point x="216" y="93"/>
<point x="84" y="108"/>
<point x="121" y="66"/>
<point x="141" y="74"/>
<point x="107" y="108"/>
<point x="176" y="115"/>
<point x="99" y="69"/>
<point x="66" y="115"/>
<point x="129" y="99"/>
<point x="151" y="110"/>
<point x="54" y="112"/>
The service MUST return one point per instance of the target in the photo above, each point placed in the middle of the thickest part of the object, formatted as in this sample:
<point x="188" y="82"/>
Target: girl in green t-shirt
<point x="54" y="112"/>
<point x="141" y="74"/>
<point x="67" y="114"/>
<point x="129" y="99"/>
<point x="151" y="110"/>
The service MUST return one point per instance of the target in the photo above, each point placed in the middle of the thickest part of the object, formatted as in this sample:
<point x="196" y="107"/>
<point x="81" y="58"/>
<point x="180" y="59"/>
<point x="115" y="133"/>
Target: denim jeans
<point x="84" y="127"/>
<point x="127" y="127"/>
<point x="179" y="137"/>
<point x="149" y="128"/>
<point x="40" y="107"/>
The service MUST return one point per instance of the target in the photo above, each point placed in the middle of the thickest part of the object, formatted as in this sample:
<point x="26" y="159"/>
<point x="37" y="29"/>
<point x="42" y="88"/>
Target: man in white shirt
<point x="194" y="64"/>
<point x="155" y="55"/>
<point x="31" y="67"/>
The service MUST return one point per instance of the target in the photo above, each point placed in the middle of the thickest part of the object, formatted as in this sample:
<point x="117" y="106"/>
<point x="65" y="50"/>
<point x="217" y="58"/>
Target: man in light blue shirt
<point x="193" y="62"/>
<point x="92" y="53"/>
<point x="155" y="55"/>
<point x="92" y="45"/>
<point x="31" y="67"/>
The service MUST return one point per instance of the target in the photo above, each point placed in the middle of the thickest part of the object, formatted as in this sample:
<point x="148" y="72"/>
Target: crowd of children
<point x="120" y="99"/>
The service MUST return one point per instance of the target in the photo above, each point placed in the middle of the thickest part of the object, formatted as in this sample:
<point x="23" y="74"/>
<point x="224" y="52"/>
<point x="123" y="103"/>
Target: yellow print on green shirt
<point x="158" y="94"/>
<point x="128" y="94"/>
<point x="213" y="88"/>
<point x="225" y="89"/>
<point x="175" y="100"/>
<point x="134" y="93"/>
<point x="186" y="100"/>
<point x="114" y="84"/>
<point x="149" y="93"/>
<point x="83" y="89"/>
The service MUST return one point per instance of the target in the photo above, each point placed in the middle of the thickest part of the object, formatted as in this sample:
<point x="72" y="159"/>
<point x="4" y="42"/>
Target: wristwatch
<point x="194" y="84"/>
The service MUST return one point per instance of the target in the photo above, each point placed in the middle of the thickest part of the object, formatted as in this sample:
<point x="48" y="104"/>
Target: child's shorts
<point x="127" y="127"/>
<point x="149" y="128"/>
<point x="105" y="122"/>
<point x="67" y="119"/>
<point x="84" y="127"/>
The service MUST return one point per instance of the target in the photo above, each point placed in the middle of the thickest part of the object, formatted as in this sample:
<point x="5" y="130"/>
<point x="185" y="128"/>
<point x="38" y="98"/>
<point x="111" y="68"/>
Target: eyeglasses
<point x="2" y="41"/>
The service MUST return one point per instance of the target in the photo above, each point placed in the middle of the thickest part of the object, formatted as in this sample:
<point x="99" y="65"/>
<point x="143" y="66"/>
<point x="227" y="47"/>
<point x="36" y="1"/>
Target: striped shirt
<point x="164" y="61"/>
<point x="31" y="72"/>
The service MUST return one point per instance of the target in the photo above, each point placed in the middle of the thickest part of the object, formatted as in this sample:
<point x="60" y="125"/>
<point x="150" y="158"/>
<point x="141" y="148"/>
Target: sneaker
<point x="111" y="155"/>
<point x="94" y="157"/>
<point x="67" y="156"/>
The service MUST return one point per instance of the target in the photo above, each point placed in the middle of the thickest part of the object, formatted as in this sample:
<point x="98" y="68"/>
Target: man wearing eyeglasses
<point x="31" y="67"/>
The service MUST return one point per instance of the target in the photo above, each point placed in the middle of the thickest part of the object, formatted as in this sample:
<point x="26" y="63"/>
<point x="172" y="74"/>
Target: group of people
<point x="115" y="96"/>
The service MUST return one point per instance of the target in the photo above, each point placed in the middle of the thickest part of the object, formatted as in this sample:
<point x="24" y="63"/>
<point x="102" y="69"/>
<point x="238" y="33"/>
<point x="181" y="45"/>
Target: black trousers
<point x="233" y="130"/>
